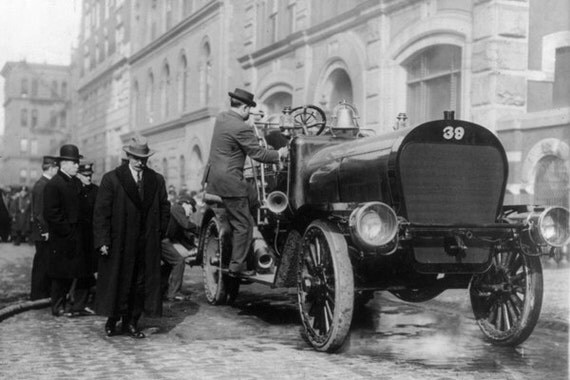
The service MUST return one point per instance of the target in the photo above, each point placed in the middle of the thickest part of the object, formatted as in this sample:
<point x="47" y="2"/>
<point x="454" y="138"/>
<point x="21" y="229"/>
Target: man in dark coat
<point x="88" y="194"/>
<point x="41" y="283"/>
<point x="68" y="266"/>
<point x="180" y="228"/>
<point x="129" y="221"/>
<point x="5" y="219"/>
<point x="21" y="208"/>
<point x="232" y="141"/>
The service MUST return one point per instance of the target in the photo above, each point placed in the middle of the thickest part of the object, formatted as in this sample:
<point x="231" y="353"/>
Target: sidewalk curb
<point x="8" y="311"/>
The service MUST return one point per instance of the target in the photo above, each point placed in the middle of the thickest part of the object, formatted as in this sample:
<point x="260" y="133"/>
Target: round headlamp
<point x="373" y="225"/>
<point x="550" y="226"/>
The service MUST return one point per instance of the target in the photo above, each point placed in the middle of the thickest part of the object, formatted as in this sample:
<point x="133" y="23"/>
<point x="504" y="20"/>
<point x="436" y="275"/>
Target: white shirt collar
<point x="134" y="173"/>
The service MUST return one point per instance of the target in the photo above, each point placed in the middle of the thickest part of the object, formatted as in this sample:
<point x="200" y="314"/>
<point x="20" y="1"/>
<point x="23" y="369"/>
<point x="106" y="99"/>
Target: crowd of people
<point x="96" y="247"/>
<point x="15" y="211"/>
<point x="119" y="249"/>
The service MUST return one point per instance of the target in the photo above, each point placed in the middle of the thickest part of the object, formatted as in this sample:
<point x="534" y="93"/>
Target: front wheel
<point x="507" y="299"/>
<point x="325" y="285"/>
<point x="214" y="280"/>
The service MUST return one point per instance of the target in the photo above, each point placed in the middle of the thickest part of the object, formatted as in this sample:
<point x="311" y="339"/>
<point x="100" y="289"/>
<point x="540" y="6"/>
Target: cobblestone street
<point x="260" y="338"/>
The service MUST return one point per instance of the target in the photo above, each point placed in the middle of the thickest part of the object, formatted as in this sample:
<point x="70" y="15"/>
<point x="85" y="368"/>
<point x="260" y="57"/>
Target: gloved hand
<point x="283" y="153"/>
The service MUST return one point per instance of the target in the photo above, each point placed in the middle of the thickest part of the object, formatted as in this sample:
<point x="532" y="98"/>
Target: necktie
<point x="139" y="184"/>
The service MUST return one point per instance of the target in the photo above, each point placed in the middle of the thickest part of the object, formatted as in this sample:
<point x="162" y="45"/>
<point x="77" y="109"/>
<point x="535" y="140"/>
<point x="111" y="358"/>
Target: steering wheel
<point x="309" y="117"/>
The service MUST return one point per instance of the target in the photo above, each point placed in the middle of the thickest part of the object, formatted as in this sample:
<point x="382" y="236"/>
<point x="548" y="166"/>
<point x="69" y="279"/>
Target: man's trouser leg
<point x="171" y="256"/>
<point x="59" y="289"/>
<point x="241" y="222"/>
<point x="137" y="293"/>
<point x="81" y="293"/>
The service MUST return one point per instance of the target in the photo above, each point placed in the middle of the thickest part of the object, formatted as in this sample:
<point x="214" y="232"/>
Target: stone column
<point x="500" y="60"/>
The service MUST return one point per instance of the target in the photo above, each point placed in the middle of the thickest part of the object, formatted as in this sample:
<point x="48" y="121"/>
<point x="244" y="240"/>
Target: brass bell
<point x="344" y="116"/>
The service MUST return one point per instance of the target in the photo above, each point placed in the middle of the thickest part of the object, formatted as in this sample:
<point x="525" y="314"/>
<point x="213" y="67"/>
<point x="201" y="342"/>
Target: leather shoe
<point x="132" y="331"/>
<point x="245" y="273"/>
<point x="111" y="328"/>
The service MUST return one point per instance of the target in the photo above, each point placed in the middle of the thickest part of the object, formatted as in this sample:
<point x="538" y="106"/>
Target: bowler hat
<point x="243" y="96"/>
<point x="85" y="168"/>
<point x="138" y="147"/>
<point x="49" y="160"/>
<point x="69" y="152"/>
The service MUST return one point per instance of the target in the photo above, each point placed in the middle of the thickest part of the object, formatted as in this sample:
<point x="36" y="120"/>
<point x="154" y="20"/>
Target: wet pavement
<point x="259" y="337"/>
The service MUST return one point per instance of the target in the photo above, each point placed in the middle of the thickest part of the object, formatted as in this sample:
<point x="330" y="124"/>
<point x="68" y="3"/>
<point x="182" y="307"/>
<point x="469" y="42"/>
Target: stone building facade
<point x="181" y="68"/>
<point x="102" y="82"/>
<point x="501" y="63"/>
<point x="37" y="118"/>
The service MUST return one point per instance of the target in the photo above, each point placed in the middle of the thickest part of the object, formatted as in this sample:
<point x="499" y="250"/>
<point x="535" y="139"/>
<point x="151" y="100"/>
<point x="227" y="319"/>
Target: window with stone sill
<point x="34" y="118"/>
<point x="34" y="87"/>
<point x="24" y="117"/>
<point x="24" y="146"/>
<point x="433" y="83"/>
<point x="552" y="181"/>
<point x="24" y="89"/>
<point x="54" y="92"/>
<point x="561" y="86"/>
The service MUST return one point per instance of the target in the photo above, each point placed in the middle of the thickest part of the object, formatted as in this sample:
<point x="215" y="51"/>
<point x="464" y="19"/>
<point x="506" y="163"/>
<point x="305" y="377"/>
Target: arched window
<point x="551" y="182"/>
<point x="24" y="90"/>
<point x="183" y="84"/>
<point x="196" y="167"/>
<point x="434" y="83"/>
<point x="182" y="171"/>
<point x="165" y="169"/>
<point x="205" y="75"/>
<point x="54" y="93"/>
<point x="63" y="89"/>
<point x="275" y="103"/>
<point x="340" y="88"/>
<point x="135" y="104"/>
<point x="34" y="87"/>
<point x="150" y="99"/>
<point x="165" y="91"/>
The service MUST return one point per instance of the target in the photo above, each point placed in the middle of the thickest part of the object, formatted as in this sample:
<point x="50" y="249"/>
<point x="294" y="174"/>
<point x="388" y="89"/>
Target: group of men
<point x="122" y="229"/>
<point x="15" y="210"/>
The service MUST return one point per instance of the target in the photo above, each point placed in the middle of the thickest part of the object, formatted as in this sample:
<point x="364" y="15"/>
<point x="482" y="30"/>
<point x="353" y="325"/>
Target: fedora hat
<point x="138" y="147"/>
<point x="69" y="152"/>
<point x="243" y="96"/>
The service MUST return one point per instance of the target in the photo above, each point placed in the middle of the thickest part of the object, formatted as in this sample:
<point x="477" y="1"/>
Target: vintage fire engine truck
<point x="414" y="212"/>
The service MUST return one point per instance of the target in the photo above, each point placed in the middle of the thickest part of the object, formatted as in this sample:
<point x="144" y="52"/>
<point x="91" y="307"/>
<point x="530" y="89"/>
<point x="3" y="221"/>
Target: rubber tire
<point x="336" y="249"/>
<point x="524" y="323"/>
<point x="214" y="283"/>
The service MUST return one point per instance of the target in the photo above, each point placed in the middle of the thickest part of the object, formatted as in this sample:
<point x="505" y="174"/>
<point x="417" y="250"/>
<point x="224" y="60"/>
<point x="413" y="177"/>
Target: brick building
<point x="37" y="118"/>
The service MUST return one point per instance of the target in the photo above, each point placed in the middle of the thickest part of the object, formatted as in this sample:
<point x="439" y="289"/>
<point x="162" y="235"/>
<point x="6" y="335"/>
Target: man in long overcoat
<point x="89" y="195"/>
<point x="232" y="141"/>
<point x="130" y="219"/>
<point x="68" y="267"/>
<point x="41" y="283"/>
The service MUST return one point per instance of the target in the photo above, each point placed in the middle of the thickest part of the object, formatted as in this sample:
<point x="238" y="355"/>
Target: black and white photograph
<point x="285" y="189"/>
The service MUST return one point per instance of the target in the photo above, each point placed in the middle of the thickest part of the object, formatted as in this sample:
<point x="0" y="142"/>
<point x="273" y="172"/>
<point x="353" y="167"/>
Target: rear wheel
<point x="507" y="299"/>
<point x="214" y="280"/>
<point x="325" y="287"/>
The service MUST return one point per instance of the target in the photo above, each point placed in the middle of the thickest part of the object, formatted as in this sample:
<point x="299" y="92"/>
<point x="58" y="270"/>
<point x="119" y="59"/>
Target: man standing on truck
<point x="232" y="141"/>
